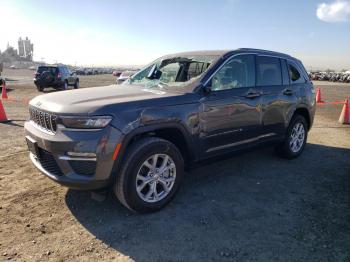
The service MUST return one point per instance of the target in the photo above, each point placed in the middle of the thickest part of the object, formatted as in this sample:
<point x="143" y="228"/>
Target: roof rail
<point x="263" y="51"/>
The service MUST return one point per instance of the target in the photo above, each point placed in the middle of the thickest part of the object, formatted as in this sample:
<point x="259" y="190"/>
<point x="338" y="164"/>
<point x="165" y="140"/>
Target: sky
<point x="135" y="32"/>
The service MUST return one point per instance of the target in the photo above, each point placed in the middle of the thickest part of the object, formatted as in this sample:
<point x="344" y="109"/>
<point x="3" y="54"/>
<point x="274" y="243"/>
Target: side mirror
<point x="157" y="74"/>
<point x="154" y="73"/>
<point x="205" y="89"/>
<point x="208" y="87"/>
<point x="151" y="72"/>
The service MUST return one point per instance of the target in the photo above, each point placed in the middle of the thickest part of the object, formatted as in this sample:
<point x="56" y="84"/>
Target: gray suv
<point x="56" y="77"/>
<point x="139" y="137"/>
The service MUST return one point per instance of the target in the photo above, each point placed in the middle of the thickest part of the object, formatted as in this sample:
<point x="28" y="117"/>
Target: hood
<point x="89" y="100"/>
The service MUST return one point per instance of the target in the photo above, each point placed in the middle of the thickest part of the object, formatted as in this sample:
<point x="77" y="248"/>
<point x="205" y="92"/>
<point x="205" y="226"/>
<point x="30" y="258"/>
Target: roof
<point x="201" y="53"/>
<point x="48" y="66"/>
<point x="58" y="65"/>
<point x="220" y="53"/>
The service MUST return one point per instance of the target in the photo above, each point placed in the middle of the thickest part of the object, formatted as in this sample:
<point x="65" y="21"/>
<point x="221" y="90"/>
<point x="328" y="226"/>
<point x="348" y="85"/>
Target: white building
<point x="25" y="48"/>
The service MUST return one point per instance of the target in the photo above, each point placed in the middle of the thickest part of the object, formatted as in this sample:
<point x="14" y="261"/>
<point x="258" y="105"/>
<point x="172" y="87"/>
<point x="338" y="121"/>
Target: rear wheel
<point x="295" y="139"/>
<point x="150" y="176"/>
<point x="76" y="85"/>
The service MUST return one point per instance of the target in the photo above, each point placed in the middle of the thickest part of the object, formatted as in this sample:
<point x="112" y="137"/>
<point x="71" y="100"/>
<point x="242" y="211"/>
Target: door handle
<point x="252" y="94"/>
<point x="288" y="92"/>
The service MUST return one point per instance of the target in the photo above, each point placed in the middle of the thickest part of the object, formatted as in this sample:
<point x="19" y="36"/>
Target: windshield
<point x="172" y="72"/>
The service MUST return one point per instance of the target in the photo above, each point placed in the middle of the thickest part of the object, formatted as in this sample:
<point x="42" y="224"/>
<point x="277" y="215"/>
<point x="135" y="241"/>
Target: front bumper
<point x="88" y="173"/>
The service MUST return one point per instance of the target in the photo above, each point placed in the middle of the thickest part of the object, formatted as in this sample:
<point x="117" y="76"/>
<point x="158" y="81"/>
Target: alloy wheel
<point x="297" y="137"/>
<point x="156" y="178"/>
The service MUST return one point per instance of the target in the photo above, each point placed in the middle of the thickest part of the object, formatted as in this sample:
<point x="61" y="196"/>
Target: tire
<point x="40" y="88"/>
<point x="65" y="85"/>
<point x="76" y="85"/>
<point x="137" y="155"/>
<point x="287" y="148"/>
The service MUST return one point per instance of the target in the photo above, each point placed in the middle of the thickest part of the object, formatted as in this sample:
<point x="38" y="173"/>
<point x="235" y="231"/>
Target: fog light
<point x="81" y="154"/>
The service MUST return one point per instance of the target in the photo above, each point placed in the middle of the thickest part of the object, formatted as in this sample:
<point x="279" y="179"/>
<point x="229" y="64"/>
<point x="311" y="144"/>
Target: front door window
<point x="237" y="73"/>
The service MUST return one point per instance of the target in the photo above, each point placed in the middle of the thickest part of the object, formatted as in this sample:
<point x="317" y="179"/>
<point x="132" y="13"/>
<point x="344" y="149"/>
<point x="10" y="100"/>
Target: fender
<point x="127" y="138"/>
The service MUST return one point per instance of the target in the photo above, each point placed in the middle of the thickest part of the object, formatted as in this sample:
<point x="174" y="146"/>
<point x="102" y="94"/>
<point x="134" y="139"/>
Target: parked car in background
<point x="56" y="77"/>
<point x="117" y="73"/>
<point x="124" y="76"/>
<point x="179" y="110"/>
<point x="342" y="77"/>
<point x="80" y="71"/>
<point x="2" y="81"/>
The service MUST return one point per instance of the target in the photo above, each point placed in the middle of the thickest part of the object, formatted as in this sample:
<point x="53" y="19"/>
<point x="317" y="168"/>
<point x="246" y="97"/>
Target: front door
<point x="230" y="115"/>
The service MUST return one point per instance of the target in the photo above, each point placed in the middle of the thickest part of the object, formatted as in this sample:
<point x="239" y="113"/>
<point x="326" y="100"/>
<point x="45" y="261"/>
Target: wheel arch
<point x="303" y="111"/>
<point x="173" y="132"/>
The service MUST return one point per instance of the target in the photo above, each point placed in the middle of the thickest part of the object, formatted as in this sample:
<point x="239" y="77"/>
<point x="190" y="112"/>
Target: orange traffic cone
<point x="3" y="117"/>
<point x="318" y="96"/>
<point x="3" y="92"/>
<point x="345" y="116"/>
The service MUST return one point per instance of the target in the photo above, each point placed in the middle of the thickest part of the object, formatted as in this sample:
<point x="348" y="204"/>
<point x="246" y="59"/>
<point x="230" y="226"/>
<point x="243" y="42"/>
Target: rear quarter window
<point x="294" y="75"/>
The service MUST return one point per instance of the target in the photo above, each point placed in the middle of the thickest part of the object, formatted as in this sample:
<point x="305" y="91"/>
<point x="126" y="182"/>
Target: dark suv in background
<point x="56" y="77"/>
<point x="139" y="137"/>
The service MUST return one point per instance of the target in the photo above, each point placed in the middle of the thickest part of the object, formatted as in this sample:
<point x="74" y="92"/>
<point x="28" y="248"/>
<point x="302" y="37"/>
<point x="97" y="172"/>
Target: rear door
<point x="70" y="78"/>
<point x="272" y="78"/>
<point x="230" y="115"/>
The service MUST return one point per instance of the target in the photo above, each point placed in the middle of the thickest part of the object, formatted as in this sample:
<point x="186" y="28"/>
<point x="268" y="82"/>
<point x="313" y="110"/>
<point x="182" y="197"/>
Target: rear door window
<point x="269" y="71"/>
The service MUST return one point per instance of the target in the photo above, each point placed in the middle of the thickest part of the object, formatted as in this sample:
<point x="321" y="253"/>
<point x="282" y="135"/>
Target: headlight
<point x="86" y="122"/>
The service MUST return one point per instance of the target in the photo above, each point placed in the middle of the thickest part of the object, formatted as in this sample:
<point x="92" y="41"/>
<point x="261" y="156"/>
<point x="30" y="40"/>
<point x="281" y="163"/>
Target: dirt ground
<point x="252" y="207"/>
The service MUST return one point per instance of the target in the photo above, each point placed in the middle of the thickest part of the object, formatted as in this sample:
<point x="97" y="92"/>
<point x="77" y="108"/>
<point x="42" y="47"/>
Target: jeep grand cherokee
<point x="180" y="109"/>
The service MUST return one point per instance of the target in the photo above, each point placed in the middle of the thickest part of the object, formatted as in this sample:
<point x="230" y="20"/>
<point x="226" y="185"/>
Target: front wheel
<point x="40" y="88"/>
<point x="65" y="85"/>
<point x="295" y="139"/>
<point x="150" y="176"/>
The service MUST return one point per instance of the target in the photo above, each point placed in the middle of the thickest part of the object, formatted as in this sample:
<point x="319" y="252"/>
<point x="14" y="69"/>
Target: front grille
<point x="48" y="162"/>
<point x="43" y="119"/>
<point x="85" y="168"/>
